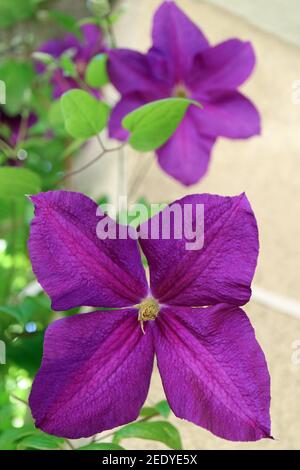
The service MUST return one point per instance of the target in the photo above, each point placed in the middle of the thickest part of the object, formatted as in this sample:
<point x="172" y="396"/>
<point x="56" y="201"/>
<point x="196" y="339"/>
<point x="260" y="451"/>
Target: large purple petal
<point x="220" y="271"/>
<point x="213" y="370"/>
<point x="225" y="66"/>
<point x="177" y="38"/>
<point x="126" y="104"/>
<point x="131" y="72"/>
<point x="95" y="373"/>
<point x="185" y="156"/>
<point x="72" y="264"/>
<point x="228" y="114"/>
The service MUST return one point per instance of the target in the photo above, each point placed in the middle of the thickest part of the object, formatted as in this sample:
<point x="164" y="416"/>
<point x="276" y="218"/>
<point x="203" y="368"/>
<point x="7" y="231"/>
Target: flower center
<point x="180" y="91"/>
<point x="148" y="310"/>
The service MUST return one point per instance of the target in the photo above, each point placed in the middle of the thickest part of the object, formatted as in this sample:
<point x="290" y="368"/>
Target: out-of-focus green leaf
<point x="10" y="437"/>
<point x="16" y="183"/>
<point x="41" y="441"/>
<point x="99" y="8"/>
<point x="161" y="431"/>
<point x="67" y="64"/>
<point x="31" y="309"/>
<point x="43" y="57"/>
<point x="12" y="11"/>
<point x="18" y="78"/>
<point x="73" y="148"/>
<point x="68" y="22"/>
<point x="84" y="115"/>
<point x="154" y="123"/>
<point x="96" y="73"/>
<point x="101" y="446"/>
<point x="16" y="313"/>
<point x="55" y="115"/>
<point x="26" y="352"/>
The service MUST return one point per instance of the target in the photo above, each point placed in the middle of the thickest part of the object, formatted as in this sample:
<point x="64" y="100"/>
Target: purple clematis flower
<point x="91" y="45"/>
<point x="13" y="129"/>
<point x="181" y="63"/>
<point x="96" y="367"/>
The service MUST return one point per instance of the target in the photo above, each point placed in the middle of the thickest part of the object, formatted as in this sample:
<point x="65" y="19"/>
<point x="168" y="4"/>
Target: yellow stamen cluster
<point x="180" y="91"/>
<point x="148" y="310"/>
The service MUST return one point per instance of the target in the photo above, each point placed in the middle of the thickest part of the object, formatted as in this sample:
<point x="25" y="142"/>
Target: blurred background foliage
<point x="35" y="151"/>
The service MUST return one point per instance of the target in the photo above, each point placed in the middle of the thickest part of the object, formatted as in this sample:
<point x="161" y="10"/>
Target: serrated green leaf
<point x="154" y="123"/>
<point x="96" y="73"/>
<point x="16" y="183"/>
<point x="101" y="446"/>
<point x="84" y="115"/>
<point x="161" y="431"/>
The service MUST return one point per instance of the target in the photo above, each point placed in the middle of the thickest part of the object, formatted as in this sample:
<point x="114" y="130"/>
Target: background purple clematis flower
<point x="11" y="131"/>
<point x="84" y="50"/>
<point x="182" y="63"/>
<point x="96" y="367"/>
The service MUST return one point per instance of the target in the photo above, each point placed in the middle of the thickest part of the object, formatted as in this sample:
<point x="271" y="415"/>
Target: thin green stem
<point x="19" y="399"/>
<point x="89" y="164"/>
<point x="140" y="177"/>
<point x="111" y="34"/>
<point x="70" y="444"/>
<point x="7" y="149"/>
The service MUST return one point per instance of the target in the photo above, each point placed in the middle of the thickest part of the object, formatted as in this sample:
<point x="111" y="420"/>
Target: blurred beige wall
<point x="280" y="17"/>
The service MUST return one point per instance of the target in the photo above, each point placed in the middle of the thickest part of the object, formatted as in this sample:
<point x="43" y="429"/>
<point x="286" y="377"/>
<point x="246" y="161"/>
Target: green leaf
<point x="161" y="431"/>
<point x="41" y="441"/>
<point x="26" y="353"/>
<point x="55" y="116"/>
<point x="67" y="64"/>
<point x="68" y="22"/>
<point x="96" y="73"/>
<point x="14" y="312"/>
<point x="18" y="77"/>
<point x="84" y="115"/>
<point x="148" y="412"/>
<point x="99" y="8"/>
<point x="10" y="436"/>
<point x="16" y="183"/>
<point x="154" y="123"/>
<point x="163" y="408"/>
<point x="43" y="57"/>
<point x="12" y="11"/>
<point x="101" y="446"/>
